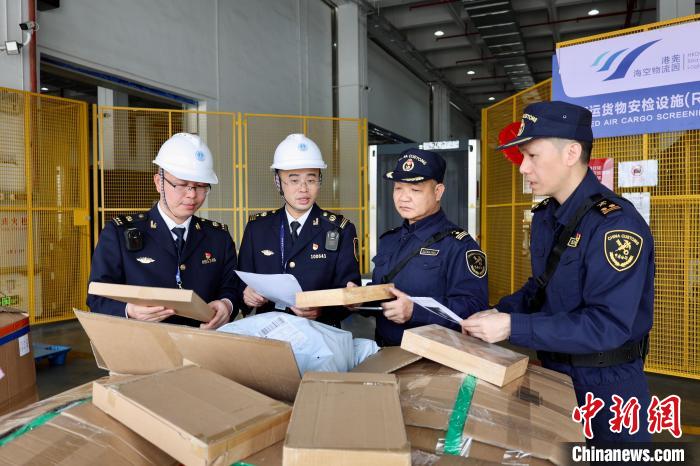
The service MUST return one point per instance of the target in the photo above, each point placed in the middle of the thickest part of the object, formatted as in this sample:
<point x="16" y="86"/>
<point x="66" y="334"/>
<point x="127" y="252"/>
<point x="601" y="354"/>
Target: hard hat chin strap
<point x="161" y="172"/>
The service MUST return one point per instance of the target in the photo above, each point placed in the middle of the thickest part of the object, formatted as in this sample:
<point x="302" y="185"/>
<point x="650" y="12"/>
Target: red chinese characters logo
<point x="626" y="415"/>
<point x="665" y="415"/>
<point x="587" y="412"/>
<point x="661" y="414"/>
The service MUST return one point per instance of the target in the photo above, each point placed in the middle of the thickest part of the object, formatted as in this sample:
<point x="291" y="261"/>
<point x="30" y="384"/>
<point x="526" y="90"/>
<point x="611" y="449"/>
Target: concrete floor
<point x="80" y="368"/>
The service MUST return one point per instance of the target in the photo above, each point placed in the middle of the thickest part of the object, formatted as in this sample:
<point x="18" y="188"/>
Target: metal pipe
<point x="433" y="3"/>
<point x="577" y="19"/>
<point x="470" y="60"/>
<point x="32" y="47"/>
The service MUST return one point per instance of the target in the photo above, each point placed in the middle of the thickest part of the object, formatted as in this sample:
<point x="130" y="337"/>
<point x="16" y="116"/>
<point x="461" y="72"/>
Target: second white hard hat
<point x="187" y="157"/>
<point x="297" y="151"/>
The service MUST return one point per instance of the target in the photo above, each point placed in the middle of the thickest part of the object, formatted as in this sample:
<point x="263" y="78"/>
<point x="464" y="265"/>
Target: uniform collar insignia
<point x="145" y="260"/>
<point x="154" y="225"/>
<point x="315" y="223"/>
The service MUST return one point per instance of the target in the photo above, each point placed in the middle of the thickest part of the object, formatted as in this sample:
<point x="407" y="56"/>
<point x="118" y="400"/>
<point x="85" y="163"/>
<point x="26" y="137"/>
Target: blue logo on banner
<point x="625" y="64"/>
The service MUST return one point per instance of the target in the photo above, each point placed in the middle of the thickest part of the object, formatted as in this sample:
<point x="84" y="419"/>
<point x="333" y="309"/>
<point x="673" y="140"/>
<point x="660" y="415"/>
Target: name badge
<point x="429" y="252"/>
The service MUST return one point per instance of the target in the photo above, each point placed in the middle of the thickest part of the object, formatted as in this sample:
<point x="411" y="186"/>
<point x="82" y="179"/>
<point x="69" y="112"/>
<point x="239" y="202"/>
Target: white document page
<point x="436" y="308"/>
<point x="280" y="288"/>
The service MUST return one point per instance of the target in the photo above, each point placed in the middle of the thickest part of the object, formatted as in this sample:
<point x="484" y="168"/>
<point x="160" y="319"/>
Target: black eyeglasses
<point x="183" y="189"/>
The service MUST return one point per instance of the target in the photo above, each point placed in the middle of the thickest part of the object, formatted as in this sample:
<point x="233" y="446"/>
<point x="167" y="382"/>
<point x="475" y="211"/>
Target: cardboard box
<point x="527" y="419"/>
<point x="82" y="435"/>
<point x="270" y="456"/>
<point x="119" y="344"/>
<point x="68" y="429"/>
<point x="530" y="416"/>
<point x="186" y="303"/>
<point x="344" y="296"/>
<point x="386" y="360"/>
<point x="17" y="371"/>
<point x="195" y="415"/>
<point x="347" y="418"/>
<point x="466" y="354"/>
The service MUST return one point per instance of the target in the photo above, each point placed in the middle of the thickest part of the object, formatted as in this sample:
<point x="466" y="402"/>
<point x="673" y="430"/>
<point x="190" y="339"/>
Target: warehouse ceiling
<point x="490" y="49"/>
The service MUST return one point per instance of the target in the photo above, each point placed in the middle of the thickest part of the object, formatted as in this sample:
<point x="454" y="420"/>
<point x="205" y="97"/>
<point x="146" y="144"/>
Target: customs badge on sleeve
<point x="622" y="248"/>
<point x="476" y="262"/>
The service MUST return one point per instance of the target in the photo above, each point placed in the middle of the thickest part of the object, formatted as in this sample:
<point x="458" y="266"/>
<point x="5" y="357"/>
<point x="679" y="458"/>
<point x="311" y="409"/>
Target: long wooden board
<point x="464" y="353"/>
<point x="186" y="303"/>
<point x="344" y="296"/>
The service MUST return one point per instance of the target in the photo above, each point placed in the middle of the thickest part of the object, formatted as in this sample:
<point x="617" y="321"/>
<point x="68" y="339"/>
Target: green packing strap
<point x="460" y="410"/>
<point x="241" y="463"/>
<point x="40" y="421"/>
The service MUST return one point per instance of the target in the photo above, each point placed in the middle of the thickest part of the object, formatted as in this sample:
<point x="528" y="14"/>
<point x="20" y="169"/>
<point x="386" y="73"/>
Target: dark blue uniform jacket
<point x="600" y="297"/>
<point x="315" y="266"/>
<point x="453" y="271"/>
<point x="207" y="265"/>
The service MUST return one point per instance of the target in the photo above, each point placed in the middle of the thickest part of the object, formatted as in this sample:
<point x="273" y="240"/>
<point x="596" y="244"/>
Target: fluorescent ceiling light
<point x="593" y="12"/>
<point x="492" y="98"/>
<point x="439" y="33"/>
<point x="471" y="72"/>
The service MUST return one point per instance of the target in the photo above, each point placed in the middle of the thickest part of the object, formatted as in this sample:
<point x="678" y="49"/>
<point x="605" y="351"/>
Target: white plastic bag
<point x="316" y="346"/>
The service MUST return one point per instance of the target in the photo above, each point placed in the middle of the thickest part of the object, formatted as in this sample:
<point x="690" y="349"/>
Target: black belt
<point x="626" y="353"/>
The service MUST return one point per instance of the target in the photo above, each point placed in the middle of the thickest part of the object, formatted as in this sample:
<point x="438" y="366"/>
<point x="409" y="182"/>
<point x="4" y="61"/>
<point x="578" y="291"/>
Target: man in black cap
<point x="427" y="256"/>
<point x="588" y="307"/>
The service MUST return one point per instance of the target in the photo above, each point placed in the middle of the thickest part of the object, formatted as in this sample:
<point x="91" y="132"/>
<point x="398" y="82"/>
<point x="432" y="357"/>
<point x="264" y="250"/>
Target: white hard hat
<point x="188" y="158"/>
<point x="297" y="151"/>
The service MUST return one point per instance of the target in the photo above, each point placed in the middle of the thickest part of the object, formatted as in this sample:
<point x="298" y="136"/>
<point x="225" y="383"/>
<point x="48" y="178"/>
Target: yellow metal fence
<point x="675" y="222"/>
<point x="47" y="187"/>
<point x="243" y="146"/>
<point x="44" y="204"/>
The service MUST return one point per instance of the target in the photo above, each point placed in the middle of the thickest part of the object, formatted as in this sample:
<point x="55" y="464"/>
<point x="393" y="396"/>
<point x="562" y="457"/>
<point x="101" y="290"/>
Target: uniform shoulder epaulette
<point x="123" y="220"/>
<point x="213" y="224"/>
<point x="267" y="213"/>
<point x="542" y="205"/>
<point x="606" y="206"/>
<point x="459" y="234"/>
<point x="389" y="231"/>
<point x="336" y="219"/>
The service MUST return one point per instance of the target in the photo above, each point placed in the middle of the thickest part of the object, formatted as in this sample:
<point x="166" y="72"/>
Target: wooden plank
<point x="186" y="303"/>
<point x="464" y="353"/>
<point x="344" y="296"/>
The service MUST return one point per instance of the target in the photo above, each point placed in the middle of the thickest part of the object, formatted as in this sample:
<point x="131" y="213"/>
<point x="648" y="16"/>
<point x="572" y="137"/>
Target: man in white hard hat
<point x="169" y="246"/>
<point x="318" y="247"/>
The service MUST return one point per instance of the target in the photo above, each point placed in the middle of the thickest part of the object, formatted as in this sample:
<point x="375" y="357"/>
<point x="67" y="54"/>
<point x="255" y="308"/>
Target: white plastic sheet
<point x="316" y="346"/>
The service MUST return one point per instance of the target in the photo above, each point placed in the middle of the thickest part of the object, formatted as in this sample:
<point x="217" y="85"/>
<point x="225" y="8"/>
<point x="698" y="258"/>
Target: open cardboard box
<point x="126" y="346"/>
<point x="188" y="375"/>
<point x="527" y="419"/>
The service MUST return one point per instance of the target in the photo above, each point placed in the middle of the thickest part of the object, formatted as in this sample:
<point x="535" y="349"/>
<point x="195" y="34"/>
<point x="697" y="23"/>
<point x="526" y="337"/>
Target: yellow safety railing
<point x="243" y="146"/>
<point x="44" y="204"/>
<point x="127" y="143"/>
<point x="345" y="187"/>
<point x="675" y="219"/>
